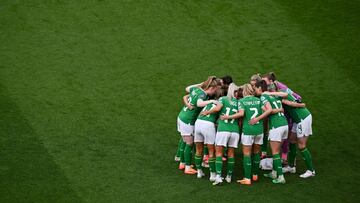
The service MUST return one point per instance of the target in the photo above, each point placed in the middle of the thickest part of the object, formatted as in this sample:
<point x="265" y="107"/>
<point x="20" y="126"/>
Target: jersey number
<point x="228" y="113"/>
<point x="189" y="100"/>
<point x="256" y="112"/>
<point x="276" y="106"/>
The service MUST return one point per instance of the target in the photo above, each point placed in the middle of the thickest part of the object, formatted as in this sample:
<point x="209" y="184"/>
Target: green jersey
<point x="211" y="117"/>
<point x="230" y="107"/>
<point x="296" y="114"/>
<point x="189" y="116"/>
<point x="252" y="107"/>
<point x="278" y="119"/>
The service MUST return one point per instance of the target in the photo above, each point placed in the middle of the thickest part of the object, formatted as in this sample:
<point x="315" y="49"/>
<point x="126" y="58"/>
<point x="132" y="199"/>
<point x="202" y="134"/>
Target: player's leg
<point x="212" y="158"/>
<point x="179" y="150"/>
<point x="221" y="142"/>
<point x="209" y="140"/>
<point x="303" y="136"/>
<point x="247" y="142"/>
<point x="199" y="146"/>
<point x="232" y="145"/>
<point x="218" y="164"/>
<point x="258" y="141"/>
<point x="189" y="140"/>
<point x="290" y="168"/>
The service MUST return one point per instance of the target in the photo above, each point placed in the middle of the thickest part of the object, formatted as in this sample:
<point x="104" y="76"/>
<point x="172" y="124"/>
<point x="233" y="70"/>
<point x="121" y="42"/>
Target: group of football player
<point x="218" y="114"/>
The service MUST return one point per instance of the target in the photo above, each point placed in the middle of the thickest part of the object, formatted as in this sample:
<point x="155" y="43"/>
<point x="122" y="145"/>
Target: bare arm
<point x="293" y="104"/>
<point x="279" y="94"/>
<point x="214" y="110"/>
<point x="186" y="102"/>
<point x="187" y="89"/>
<point x="202" y="103"/>
<point x="267" y="110"/>
<point x="275" y="111"/>
<point x="239" y="114"/>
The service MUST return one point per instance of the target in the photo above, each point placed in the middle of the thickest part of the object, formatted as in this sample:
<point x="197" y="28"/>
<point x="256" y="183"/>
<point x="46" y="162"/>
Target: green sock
<point x="212" y="164"/>
<point x="277" y="164"/>
<point x="292" y="154"/>
<point x="218" y="165"/>
<point x="198" y="161"/>
<point x="247" y="166"/>
<point x="256" y="163"/>
<point x="206" y="150"/>
<point x="307" y="158"/>
<point x="178" y="152"/>
<point x="230" y="165"/>
<point x="187" y="154"/>
<point x="265" y="143"/>
<point x="182" y="154"/>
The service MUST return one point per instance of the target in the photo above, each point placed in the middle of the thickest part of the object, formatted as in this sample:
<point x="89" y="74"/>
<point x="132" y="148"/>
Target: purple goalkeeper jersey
<point x="282" y="87"/>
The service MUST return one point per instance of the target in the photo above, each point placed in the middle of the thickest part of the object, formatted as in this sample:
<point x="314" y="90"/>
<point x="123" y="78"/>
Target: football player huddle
<point x="218" y="114"/>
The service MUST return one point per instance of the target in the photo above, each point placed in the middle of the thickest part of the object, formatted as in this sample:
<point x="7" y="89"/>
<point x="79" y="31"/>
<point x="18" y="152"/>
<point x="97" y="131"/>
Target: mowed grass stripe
<point x="109" y="78"/>
<point x="28" y="172"/>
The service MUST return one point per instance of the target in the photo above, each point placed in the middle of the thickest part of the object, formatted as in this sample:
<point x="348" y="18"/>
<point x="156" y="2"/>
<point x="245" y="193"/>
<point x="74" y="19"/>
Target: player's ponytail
<point x="248" y="90"/>
<point x="212" y="81"/>
<point x="205" y="85"/>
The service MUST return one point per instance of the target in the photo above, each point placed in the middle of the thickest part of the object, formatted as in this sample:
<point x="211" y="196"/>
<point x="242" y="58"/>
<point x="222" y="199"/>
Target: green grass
<point x="90" y="92"/>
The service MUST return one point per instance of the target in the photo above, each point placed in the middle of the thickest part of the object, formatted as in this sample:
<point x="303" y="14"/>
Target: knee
<point x="301" y="146"/>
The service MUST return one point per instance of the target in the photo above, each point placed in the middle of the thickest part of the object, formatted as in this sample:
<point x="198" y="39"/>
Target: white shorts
<point x="252" y="139"/>
<point x="204" y="132"/>
<point x="227" y="139"/>
<point x="279" y="134"/>
<point x="304" y="128"/>
<point x="184" y="129"/>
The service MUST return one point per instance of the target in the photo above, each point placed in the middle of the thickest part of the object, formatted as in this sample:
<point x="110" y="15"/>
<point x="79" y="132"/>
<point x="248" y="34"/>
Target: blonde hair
<point x="212" y="81"/>
<point x="256" y="77"/>
<point x="248" y="90"/>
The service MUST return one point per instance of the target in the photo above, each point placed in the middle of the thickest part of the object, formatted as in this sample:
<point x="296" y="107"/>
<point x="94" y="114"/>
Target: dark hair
<point x="271" y="76"/>
<point x="227" y="79"/>
<point x="240" y="92"/>
<point x="262" y="84"/>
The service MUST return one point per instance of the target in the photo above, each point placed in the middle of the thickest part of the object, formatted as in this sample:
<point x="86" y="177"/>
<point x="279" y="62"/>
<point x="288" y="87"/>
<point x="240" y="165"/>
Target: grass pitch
<point x="90" y="92"/>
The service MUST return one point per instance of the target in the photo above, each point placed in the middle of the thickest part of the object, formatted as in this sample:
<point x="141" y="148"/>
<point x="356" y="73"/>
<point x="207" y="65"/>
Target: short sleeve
<point x="263" y="100"/>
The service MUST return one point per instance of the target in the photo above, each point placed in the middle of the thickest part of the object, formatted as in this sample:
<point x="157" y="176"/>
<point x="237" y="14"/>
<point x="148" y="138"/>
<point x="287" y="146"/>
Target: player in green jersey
<point x="303" y="128"/>
<point x="205" y="134"/>
<point x="198" y="98"/>
<point x="278" y="126"/>
<point x="252" y="134"/>
<point x="227" y="136"/>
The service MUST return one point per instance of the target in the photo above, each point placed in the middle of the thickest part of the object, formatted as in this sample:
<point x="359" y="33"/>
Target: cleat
<point x="177" y="159"/>
<point x="224" y="158"/>
<point x="181" y="166"/>
<point x="200" y="173"/>
<point x="228" y="178"/>
<point x="218" y="180"/>
<point x="255" y="178"/>
<point x="212" y="177"/>
<point x="244" y="181"/>
<point x="271" y="175"/>
<point x="289" y="169"/>
<point x="307" y="174"/>
<point x="279" y="180"/>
